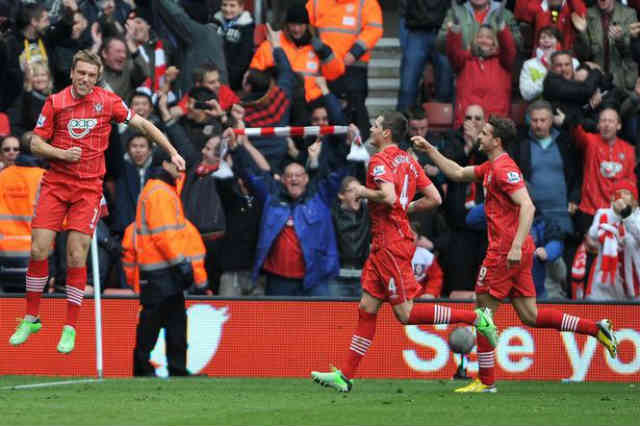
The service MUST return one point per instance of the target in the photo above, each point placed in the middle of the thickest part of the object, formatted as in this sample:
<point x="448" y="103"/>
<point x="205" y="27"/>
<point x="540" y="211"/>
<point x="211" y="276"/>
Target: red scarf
<point x="608" y="239"/>
<point x="160" y="68"/>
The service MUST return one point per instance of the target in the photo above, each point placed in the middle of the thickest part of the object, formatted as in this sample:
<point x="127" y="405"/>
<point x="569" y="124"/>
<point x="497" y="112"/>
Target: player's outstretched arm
<point x="450" y="168"/>
<point x="148" y="129"/>
<point x="431" y="200"/>
<point x="43" y="149"/>
<point x="525" y="219"/>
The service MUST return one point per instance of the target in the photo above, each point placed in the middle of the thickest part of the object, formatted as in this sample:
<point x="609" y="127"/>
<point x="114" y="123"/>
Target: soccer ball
<point x="462" y="340"/>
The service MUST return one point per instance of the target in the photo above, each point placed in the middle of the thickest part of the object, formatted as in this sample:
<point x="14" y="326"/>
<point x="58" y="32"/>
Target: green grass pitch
<point x="229" y="401"/>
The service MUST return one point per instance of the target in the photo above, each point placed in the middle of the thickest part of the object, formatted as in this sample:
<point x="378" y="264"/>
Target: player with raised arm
<point x="506" y="270"/>
<point x="392" y="181"/>
<point x="72" y="132"/>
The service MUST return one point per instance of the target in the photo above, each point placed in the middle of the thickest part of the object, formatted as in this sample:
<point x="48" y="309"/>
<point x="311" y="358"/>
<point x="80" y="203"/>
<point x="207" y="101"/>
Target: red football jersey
<point x="389" y="224"/>
<point x="500" y="178"/>
<point x="68" y="121"/>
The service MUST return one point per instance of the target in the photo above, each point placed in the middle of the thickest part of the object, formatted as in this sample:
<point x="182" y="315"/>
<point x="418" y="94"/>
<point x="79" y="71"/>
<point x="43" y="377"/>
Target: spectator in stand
<point x="548" y="161"/>
<point x="353" y="231"/>
<point x="124" y="67"/>
<point x="484" y="71"/>
<point x="207" y="75"/>
<point x="423" y="19"/>
<point x="549" y="270"/>
<point x="462" y="249"/>
<point x="197" y="42"/>
<point x="607" y="160"/>
<point x="24" y="112"/>
<point x="351" y="28"/>
<point x="156" y="53"/>
<point x="9" y="151"/>
<point x="615" y="233"/>
<point x="83" y="36"/>
<point x="565" y="92"/>
<point x="19" y="186"/>
<point x="309" y="57"/>
<point x="236" y="27"/>
<point x="297" y="243"/>
<point x="36" y="38"/>
<point x="10" y="73"/>
<point x="137" y="162"/>
<point x="267" y="103"/>
<point x="110" y="14"/>
<point x="535" y="70"/>
<point x="559" y="14"/>
<point x="471" y="15"/>
<point x="604" y="38"/>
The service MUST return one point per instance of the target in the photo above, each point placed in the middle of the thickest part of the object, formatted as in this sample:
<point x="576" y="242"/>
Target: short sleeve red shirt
<point x="500" y="178"/>
<point x="396" y="166"/>
<point x="67" y="121"/>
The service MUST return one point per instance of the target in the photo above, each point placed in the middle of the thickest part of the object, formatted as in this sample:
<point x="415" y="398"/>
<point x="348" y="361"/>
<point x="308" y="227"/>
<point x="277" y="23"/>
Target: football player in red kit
<point x="506" y="270"/>
<point x="72" y="132"/>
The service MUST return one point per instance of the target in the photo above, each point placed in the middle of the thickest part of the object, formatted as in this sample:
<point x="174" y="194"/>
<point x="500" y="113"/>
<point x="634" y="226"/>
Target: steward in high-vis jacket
<point x="308" y="55"/>
<point x="196" y="252"/>
<point x="19" y="186"/>
<point x="160" y="243"/>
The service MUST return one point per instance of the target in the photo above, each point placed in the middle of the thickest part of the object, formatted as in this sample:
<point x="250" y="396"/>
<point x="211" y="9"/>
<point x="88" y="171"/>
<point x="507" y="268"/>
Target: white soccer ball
<point x="462" y="340"/>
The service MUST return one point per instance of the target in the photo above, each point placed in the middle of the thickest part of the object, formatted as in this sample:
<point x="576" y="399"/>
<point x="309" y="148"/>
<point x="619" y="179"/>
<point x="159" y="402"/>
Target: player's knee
<point x="77" y="257"/>
<point x="39" y="251"/>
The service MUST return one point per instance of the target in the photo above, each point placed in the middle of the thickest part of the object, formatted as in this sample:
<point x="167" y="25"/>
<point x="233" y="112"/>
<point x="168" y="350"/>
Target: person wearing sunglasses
<point x="9" y="150"/>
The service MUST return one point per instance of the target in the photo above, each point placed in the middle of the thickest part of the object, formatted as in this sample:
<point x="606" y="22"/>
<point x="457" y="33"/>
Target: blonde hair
<point x="37" y="66"/>
<point x="88" y="57"/>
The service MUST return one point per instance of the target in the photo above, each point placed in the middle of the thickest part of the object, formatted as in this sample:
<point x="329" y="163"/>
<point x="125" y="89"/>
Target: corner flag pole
<point x="97" y="299"/>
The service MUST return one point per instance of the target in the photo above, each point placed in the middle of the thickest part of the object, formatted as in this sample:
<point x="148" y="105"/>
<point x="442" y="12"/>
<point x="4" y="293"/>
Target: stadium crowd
<point x="277" y="215"/>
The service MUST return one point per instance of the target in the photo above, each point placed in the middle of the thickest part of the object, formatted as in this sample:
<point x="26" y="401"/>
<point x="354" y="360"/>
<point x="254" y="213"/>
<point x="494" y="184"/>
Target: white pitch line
<point x="43" y="385"/>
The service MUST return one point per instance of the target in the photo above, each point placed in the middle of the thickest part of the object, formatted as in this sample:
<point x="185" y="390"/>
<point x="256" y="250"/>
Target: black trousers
<point x="171" y="315"/>
<point x="356" y="87"/>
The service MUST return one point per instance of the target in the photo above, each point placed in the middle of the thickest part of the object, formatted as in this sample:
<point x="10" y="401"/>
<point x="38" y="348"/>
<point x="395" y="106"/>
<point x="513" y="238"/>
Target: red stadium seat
<point x="440" y="115"/>
<point x="519" y="112"/>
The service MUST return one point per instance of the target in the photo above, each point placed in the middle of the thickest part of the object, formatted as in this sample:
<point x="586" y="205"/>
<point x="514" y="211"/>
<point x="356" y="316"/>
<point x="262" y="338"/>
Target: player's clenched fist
<point x="72" y="154"/>
<point x="178" y="161"/>
<point x="421" y="143"/>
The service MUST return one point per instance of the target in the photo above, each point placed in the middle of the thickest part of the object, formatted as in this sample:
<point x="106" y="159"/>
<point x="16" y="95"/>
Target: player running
<point x="77" y="122"/>
<point x="506" y="270"/>
<point x="392" y="180"/>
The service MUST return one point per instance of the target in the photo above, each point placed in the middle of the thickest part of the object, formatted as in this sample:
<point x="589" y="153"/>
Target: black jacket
<point x="569" y="95"/>
<point x="24" y="112"/>
<point x="570" y="158"/>
<point x="353" y="234"/>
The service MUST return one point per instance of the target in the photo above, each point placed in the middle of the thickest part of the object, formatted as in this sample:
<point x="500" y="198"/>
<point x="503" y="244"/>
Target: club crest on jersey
<point x="41" y="120"/>
<point x="98" y="107"/>
<point x="513" y="177"/>
<point x="378" y="170"/>
<point x="80" y="127"/>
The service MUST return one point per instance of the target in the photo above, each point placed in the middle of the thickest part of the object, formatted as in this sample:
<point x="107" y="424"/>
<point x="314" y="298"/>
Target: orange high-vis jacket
<point x="303" y="60"/>
<point x="19" y="188"/>
<point x="196" y="252"/>
<point x="347" y="26"/>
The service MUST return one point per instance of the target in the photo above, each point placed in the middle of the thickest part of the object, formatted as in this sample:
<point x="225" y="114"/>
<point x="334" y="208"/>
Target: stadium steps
<point x="384" y="76"/>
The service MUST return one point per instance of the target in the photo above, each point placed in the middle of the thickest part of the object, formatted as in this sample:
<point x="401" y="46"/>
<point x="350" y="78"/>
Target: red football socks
<point x="360" y="341"/>
<point x="76" y="282"/>
<point x="37" y="276"/>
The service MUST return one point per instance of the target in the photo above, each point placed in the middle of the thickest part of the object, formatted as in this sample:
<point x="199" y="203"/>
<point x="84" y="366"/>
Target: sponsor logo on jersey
<point x="80" y="127"/>
<point x="378" y="170"/>
<point x="41" y="120"/>
<point x="513" y="177"/>
<point x="610" y="169"/>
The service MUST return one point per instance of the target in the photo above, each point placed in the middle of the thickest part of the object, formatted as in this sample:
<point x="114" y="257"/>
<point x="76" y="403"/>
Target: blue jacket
<point x="311" y="218"/>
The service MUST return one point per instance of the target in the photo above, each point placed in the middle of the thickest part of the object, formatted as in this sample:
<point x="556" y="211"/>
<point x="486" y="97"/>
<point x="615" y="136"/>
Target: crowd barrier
<point x="289" y="338"/>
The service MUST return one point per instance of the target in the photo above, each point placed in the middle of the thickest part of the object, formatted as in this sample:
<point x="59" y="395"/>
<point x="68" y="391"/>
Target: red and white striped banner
<point x="293" y="131"/>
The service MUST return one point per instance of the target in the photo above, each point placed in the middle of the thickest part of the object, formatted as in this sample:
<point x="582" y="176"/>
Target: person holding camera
<point x="160" y="242"/>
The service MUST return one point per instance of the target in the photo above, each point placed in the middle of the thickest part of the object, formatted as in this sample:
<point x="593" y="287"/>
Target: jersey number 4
<point x="404" y="197"/>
